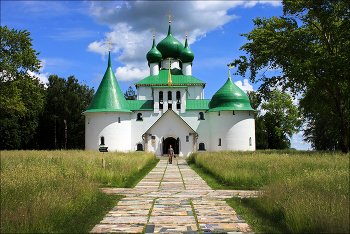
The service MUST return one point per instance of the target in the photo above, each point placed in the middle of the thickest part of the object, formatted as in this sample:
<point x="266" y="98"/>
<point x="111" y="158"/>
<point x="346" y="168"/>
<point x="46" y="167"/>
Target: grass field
<point x="303" y="191"/>
<point x="58" y="191"/>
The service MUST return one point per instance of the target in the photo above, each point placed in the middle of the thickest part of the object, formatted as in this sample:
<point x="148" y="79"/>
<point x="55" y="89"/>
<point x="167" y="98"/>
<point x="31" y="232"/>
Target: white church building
<point x="170" y="109"/>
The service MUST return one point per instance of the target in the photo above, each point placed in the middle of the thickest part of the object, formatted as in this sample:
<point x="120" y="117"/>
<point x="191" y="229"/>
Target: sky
<point x="72" y="37"/>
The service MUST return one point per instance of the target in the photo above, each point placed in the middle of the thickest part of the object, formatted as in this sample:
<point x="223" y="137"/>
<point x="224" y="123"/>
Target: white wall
<point x="195" y="92"/>
<point x="234" y="130"/>
<point x="144" y="93"/>
<point x="117" y="135"/>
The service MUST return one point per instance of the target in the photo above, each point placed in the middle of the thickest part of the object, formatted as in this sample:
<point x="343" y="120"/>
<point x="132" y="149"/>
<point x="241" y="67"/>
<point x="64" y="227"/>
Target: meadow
<point x="58" y="191"/>
<point x="302" y="191"/>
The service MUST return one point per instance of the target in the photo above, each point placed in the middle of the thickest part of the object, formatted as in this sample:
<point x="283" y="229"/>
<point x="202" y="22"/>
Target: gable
<point x="170" y="120"/>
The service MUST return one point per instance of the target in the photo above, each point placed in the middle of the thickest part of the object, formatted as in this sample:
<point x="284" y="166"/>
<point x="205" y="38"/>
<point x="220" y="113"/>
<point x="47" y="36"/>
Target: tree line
<point x="35" y="115"/>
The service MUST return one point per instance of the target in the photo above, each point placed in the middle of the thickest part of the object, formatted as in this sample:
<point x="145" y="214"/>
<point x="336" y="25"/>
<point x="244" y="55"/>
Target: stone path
<point x="173" y="198"/>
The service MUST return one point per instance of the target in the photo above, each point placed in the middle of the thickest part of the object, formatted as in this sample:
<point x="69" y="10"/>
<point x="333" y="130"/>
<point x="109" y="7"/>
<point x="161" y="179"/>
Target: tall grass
<point x="307" y="192"/>
<point x="42" y="190"/>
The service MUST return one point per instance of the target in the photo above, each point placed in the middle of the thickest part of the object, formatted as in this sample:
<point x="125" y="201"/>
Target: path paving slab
<point x="172" y="193"/>
<point x="118" y="228"/>
<point x="171" y="228"/>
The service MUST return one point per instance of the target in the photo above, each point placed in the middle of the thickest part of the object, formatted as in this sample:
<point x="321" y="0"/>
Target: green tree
<point x="130" y="94"/>
<point x="281" y="119"/>
<point x="21" y="95"/>
<point x="65" y="102"/>
<point x="310" y="45"/>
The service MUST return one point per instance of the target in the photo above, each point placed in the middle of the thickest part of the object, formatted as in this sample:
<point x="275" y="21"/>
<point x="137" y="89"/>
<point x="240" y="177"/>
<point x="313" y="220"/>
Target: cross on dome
<point x="109" y="44"/>
<point x="154" y="33"/>
<point x="229" y="70"/>
<point x="186" y="33"/>
<point x="169" y="17"/>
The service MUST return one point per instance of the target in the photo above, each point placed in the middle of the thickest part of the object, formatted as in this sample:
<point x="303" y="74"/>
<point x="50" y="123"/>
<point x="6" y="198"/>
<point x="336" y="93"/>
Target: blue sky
<point x="71" y="37"/>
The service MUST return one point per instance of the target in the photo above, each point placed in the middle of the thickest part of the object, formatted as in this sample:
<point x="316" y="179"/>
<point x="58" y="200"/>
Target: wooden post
<point x="194" y="142"/>
<point x="103" y="160"/>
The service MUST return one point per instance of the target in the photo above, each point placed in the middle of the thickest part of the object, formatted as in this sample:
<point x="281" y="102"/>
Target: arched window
<point x="170" y="95"/>
<point x="250" y="141"/>
<point x="219" y="141"/>
<point x="139" y="147"/>
<point x="178" y="95"/>
<point x="233" y="112"/>
<point x="118" y="119"/>
<point x="219" y="113"/>
<point x="201" y="146"/>
<point x="102" y="140"/>
<point x="139" y="117"/>
<point x="161" y="96"/>
<point x="201" y="116"/>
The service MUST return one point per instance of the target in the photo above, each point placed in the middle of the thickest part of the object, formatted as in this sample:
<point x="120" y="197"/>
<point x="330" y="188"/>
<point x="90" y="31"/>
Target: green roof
<point x="186" y="55"/>
<point x="154" y="56"/>
<point x="176" y="76"/>
<point x="197" y="104"/>
<point x="108" y="97"/>
<point x="229" y="97"/>
<point x="170" y="47"/>
<point x="140" y="104"/>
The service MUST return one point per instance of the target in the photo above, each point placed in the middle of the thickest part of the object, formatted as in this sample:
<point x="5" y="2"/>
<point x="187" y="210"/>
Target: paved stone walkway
<point x="173" y="198"/>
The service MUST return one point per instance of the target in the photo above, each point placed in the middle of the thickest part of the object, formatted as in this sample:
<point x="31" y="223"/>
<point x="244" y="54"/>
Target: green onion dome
<point x="170" y="47"/>
<point x="186" y="55"/>
<point x="229" y="97"/>
<point x="154" y="56"/>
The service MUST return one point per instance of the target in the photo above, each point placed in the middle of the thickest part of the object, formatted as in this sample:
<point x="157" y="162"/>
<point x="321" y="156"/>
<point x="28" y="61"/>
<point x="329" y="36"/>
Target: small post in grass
<point x="103" y="150"/>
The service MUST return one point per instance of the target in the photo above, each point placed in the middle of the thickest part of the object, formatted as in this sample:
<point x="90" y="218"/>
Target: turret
<point x="154" y="57"/>
<point x="186" y="57"/>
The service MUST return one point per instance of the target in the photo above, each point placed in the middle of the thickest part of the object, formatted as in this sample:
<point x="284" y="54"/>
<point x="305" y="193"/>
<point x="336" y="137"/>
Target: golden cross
<point x="169" y="17"/>
<point x="229" y="70"/>
<point x="154" y="34"/>
<point x="109" y="44"/>
<point x="186" y="32"/>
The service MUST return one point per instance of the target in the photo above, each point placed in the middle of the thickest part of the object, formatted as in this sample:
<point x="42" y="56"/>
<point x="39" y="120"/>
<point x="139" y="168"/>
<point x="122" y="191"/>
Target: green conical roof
<point x="229" y="97"/>
<point x="154" y="56"/>
<point x="169" y="46"/>
<point x="108" y="96"/>
<point x="186" y="55"/>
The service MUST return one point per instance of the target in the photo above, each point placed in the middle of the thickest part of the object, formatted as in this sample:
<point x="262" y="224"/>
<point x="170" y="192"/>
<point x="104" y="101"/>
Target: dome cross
<point x="185" y="33"/>
<point x="154" y="33"/>
<point x="109" y="44"/>
<point x="169" y="17"/>
<point x="229" y="70"/>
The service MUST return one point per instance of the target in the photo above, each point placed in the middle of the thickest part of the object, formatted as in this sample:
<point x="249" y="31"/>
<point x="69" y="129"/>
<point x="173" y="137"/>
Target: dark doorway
<point x="174" y="144"/>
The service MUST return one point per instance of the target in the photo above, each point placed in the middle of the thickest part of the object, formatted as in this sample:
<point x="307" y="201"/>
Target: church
<point x="170" y="109"/>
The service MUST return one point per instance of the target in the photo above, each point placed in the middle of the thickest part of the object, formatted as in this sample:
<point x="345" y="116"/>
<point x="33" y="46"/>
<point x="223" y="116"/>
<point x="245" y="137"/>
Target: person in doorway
<point x="171" y="154"/>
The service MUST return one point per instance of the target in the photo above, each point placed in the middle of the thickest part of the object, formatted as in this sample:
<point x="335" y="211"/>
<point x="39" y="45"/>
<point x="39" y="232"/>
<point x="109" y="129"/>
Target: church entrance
<point x="174" y="144"/>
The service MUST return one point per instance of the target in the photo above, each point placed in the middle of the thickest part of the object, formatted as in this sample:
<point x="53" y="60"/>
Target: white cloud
<point x="245" y="86"/>
<point x="43" y="77"/>
<point x="130" y="23"/>
<point x="129" y="72"/>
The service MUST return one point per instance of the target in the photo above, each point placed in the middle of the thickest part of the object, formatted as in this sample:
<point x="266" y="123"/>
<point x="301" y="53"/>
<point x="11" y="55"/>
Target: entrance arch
<point x="174" y="142"/>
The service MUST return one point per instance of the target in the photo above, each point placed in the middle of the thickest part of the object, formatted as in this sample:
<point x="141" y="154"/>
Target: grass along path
<point x="58" y="191"/>
<point x="304" y="191"/>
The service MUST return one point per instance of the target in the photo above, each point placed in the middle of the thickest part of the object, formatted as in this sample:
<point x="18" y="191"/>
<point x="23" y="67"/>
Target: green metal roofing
<point x="108" y="97"/>
<point x="176" y="76"/>
<point x="154" y="56"/>
<point x="186" y="55"/>
<point x="197" y="104"/>
<point x="229" y="97"/>
<point x="140" y="104"/>
<point x="170" y="47"/>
